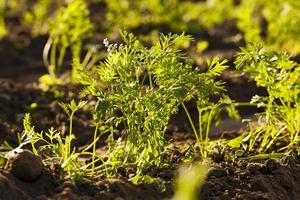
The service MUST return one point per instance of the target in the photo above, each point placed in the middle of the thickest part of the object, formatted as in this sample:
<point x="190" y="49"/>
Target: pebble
<point x="269" y="166"/>
<point x="66" y="184"/>
<point x="216" y="155"/>
<point x="253" y="167"/>
<point x="25" y="165"/>
<point x="216" y="172"/>
<point x="242" y="164"/>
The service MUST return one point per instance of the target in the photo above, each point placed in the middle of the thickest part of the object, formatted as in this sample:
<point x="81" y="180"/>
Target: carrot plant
<point x="69" y="28"/>
<point x="2" y="19"/>
<point x="138" y="89"/>
<point x="279" y="124"/>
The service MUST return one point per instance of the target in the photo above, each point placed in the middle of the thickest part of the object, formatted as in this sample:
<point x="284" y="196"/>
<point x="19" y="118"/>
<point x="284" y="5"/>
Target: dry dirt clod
<point x="25" y="165"/>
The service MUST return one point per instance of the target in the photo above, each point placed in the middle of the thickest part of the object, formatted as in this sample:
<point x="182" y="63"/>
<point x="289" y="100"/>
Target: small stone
<point x="216" y="155"/>
<point x="216" y="172"/>
<point x="269" y="166"/>
<point x="25" y="165"/>
<point x="64" y="185"/>
<point x="253" y="167"/>
<point x="229" y="171"/>
<point x="244" y="174"/>
<point x="242" y="164"/>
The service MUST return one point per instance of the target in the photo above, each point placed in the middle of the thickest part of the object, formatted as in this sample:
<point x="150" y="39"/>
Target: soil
<point x="21" y="66"/>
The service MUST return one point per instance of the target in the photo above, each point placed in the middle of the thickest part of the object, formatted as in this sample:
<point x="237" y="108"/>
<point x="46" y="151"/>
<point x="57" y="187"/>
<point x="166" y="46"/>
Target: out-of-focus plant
<point x="68" y="29"/>
<point x="189" y="16"/>
<point x="39" y="15"/>
<point x="9" y="8"/>
<point x="2" y="20"/>
<point x="189" y="181"/>
<point x="274" y="23"/>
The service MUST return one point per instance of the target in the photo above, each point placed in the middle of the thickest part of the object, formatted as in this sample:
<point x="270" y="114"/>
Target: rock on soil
<point x="25" y="165"/>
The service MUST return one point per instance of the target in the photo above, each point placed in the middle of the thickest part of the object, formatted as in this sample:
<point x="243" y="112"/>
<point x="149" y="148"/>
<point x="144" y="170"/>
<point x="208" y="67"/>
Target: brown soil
<point x="237" y="180"/>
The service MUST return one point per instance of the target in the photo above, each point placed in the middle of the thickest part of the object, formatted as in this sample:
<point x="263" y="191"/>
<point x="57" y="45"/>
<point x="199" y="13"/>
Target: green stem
<point x="191" y="122"/>
<point x="46" y="52"/>
<point x="70" y="133"/>
<point x="236" y="104"/>
<point x="150" y="81"/>
<point x="200" y="130"/>
<point x="60" y="58"/>
<point x="208" y="128"/>
<point x="209" y="123"/>
<point x="94" y="148"/>
<point x="53" y="56"/>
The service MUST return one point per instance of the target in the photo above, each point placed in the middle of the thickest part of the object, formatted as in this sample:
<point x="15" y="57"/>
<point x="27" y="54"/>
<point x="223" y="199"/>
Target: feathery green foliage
<point x="280" y="122"/>
<point x="138" y="90"/>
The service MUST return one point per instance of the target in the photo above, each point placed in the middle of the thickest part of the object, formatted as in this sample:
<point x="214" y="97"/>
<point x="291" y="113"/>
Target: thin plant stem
<point x="150" y="81"/>
<point x="200" y="129"/>
<point x="70" y="133"/>
<point x="94" y="148"/>
<point x="60" y="58"/>
<point x="191" y="121"/>
<point x="46" y="52"/>
<point x="53" y="55"/>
